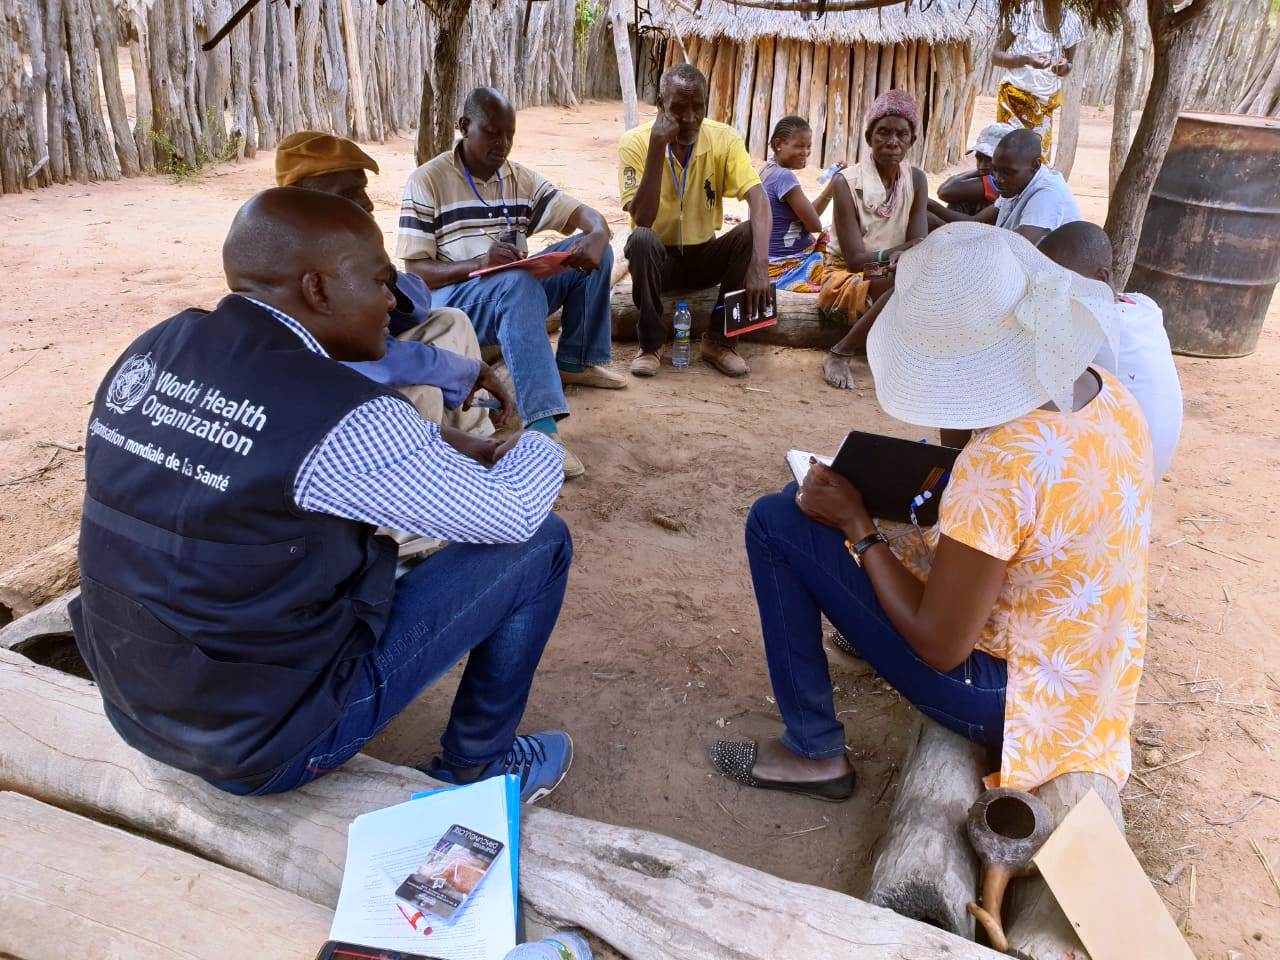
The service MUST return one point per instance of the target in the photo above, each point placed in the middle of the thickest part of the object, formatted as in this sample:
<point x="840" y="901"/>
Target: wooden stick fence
<point x="352" y="67"/>
<point x="757" y="82"/>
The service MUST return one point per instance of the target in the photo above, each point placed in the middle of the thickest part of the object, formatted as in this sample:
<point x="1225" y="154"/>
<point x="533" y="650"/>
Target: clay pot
<point x="1006" y="828"/>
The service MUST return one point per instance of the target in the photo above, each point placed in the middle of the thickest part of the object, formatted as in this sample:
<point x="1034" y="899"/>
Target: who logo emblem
<point x="131" y="383"/>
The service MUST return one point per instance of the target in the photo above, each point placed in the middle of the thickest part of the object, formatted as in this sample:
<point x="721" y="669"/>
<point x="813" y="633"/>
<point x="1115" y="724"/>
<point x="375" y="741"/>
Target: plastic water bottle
<point x="558" y="946"/>
<point x="682" y="349"/>
<point x="828" y="173"/>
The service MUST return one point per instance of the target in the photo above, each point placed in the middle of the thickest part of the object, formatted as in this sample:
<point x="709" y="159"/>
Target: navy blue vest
<point x="223" y="624"/>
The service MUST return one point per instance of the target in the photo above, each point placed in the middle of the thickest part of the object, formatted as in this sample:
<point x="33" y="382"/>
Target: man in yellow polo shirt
<point x="674" y="174"/>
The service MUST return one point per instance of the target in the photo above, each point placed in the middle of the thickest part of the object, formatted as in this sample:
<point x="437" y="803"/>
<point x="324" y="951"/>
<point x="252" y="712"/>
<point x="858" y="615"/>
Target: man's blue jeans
<point x="511" y="309"/>
<point x="801" y="569"/>
<point x="499" y="603"/>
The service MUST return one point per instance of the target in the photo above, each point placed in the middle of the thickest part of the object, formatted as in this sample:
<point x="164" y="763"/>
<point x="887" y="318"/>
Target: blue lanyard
<point x="684" y="174"/>
<point x="502" y="198"/>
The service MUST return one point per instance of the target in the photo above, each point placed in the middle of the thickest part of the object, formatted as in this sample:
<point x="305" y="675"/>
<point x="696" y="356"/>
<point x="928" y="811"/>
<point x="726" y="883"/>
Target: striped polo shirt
<point x="443" y="218"/>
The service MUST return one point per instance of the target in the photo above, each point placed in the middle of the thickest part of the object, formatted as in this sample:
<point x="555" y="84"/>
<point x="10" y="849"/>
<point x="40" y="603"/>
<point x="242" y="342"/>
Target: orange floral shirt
<point x="1065" y="498"/>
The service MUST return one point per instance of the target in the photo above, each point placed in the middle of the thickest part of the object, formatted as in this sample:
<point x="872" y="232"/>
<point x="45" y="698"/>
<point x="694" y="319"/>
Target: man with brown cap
<point x="432" y="357"/>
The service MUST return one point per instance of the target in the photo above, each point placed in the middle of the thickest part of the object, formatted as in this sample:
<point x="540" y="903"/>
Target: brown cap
<point x="309" y="154"/>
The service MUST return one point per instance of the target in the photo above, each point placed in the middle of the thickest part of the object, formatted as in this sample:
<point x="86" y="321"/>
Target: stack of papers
<point x="798" y="461"/>
<point x="394" y="851"/>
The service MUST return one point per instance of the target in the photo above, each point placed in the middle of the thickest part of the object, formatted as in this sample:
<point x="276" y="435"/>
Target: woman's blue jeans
<point x="801" y="570"/>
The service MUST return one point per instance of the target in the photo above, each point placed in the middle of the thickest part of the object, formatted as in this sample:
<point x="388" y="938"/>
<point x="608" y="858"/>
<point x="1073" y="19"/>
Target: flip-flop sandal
<point x="736" y="758"/>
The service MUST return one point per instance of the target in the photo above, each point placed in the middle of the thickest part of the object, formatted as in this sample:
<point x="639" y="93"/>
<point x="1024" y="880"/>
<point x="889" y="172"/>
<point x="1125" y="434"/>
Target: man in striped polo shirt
<point x="471" y="208"/>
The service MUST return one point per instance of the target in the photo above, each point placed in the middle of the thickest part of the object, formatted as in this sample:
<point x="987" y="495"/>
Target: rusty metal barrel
<point x="1209" y="253"/>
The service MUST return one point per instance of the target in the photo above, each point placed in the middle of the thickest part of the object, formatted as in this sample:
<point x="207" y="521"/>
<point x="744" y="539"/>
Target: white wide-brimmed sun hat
<point x="982" y="328"/>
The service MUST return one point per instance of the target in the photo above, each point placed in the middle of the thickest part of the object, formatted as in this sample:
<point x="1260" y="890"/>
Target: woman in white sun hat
<point x="1018" y="621"/>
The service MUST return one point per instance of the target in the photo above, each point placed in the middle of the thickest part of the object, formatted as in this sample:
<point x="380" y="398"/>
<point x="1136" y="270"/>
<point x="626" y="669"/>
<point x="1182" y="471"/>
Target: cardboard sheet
<point x="1103" y="891"/>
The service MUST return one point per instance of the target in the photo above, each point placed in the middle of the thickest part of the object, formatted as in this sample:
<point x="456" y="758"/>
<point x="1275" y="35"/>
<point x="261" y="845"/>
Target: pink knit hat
<point x="895" y="103"/>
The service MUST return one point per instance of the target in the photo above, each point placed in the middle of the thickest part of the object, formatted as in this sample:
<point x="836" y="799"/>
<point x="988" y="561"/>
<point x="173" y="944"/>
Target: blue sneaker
<point x="540" y="760"/>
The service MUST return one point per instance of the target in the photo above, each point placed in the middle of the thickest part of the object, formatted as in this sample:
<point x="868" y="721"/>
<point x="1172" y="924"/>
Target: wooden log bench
<point x="78" y="888"/>
<point x="798" y="322"/>
<point x="925" y="868"/>
<point x="41" y="577"/>
<point x="1035" y="925"/>
<point x="647" y="896"/>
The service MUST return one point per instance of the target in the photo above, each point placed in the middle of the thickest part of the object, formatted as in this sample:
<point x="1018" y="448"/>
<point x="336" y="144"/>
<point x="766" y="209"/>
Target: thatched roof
<point x="938" y="21"/>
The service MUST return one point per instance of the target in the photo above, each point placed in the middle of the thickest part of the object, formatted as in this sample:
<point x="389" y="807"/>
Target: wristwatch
<point x="856" y="550"/>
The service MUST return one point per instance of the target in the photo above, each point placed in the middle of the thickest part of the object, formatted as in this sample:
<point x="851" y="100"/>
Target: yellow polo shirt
<point x="720" y="167"/>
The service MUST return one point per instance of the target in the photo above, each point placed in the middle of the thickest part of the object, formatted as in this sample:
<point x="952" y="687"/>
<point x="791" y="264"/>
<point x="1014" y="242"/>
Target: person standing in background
<point x="1036" y="58"/>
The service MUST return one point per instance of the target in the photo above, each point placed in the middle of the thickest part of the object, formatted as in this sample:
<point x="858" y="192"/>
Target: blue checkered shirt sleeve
<point x="383" y="464"/>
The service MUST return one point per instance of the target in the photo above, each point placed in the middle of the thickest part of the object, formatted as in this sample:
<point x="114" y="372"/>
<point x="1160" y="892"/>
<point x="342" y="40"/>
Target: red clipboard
<point x="540" y="265"/>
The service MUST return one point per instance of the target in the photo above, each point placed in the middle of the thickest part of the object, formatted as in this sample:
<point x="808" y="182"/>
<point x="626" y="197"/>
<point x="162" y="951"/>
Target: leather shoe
<point x="723" y="357"/>
<point x="573" y="467"/>
<point x="592" y="376"/>
<point x="646" y="364"/>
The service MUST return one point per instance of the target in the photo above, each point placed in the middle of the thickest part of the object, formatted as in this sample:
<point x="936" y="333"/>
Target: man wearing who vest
<point x="240" y="616"/>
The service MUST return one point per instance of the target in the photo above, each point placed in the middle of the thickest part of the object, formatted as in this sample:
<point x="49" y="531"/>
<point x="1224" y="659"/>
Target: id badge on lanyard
<point x="513" y="234"/>
<point x="679" y="185"/>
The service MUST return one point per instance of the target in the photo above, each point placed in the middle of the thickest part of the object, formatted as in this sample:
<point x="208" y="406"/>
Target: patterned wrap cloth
<point x="801" y="272"/>
<point x="1016" y="106"/>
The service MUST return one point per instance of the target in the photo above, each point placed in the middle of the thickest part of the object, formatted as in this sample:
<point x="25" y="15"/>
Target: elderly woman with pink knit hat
<point x="1019" y="620"/>
<point x="881" y="209"/>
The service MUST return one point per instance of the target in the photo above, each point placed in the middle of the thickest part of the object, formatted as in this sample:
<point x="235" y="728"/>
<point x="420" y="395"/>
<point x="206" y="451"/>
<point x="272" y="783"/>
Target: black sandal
<point x="841" y="643"/>
<point x="736" y="758"/>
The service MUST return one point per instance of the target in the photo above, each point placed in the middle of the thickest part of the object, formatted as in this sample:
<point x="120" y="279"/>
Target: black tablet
<point x="891" y="472"/>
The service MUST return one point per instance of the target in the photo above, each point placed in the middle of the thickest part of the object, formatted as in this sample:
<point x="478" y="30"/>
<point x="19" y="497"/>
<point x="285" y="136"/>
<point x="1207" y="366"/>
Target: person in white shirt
<point x="1036" y="58"/>
<point x="1142" y="359"/>
<point x="1034" y="198"/>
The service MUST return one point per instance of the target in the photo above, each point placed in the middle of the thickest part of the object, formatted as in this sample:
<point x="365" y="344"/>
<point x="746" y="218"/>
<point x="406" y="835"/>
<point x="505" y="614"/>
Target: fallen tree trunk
<point x="51" y="620"/>
<point x="646" y="895"/>
<point x="77" y="888"/>
<point x="926" y="868"/>
<point x="798" y="322"/>
<point x="1037" y="928"/>
<point x="38" y="579"/>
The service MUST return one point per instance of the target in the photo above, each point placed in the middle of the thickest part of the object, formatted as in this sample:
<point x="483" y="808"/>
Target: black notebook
<point x="891" y="472"/>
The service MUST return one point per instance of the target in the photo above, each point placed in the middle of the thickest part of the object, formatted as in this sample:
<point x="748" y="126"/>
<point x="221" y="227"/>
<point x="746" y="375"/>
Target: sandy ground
<point x="658" y="649"/>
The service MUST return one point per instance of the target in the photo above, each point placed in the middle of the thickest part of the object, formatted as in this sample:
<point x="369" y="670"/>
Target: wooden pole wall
<point x="818" y="103"/>
<point x="758" y="137"/>
<point x="833" y="86"/>
<point x="837" y="103"/>
<point x="351" y="67"/>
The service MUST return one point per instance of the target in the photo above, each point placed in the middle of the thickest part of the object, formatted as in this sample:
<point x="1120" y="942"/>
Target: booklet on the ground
<point x="435" y="875"/>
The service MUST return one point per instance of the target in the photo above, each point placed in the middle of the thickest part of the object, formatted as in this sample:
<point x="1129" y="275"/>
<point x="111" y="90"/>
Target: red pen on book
<point x="418" y="920"/>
